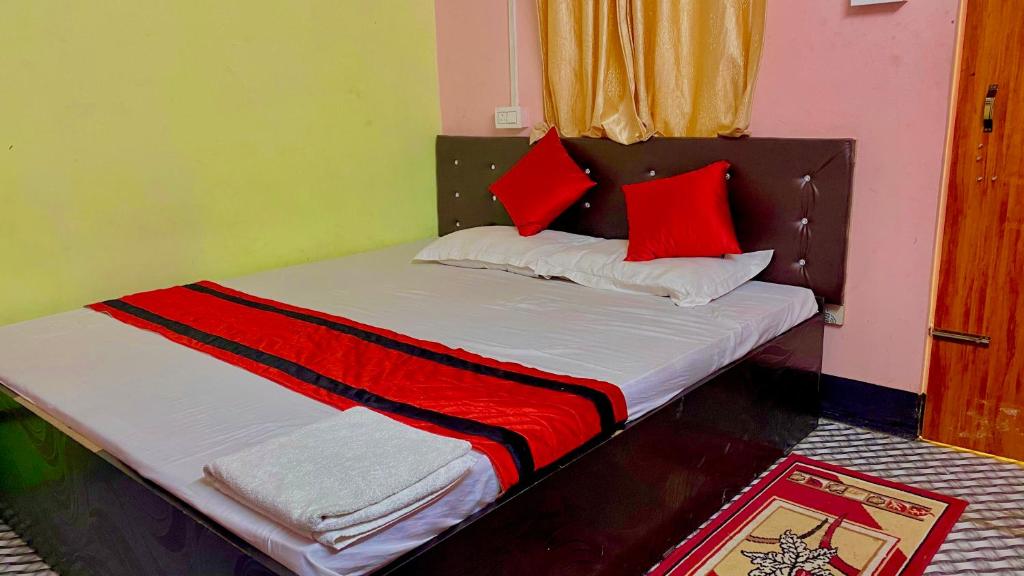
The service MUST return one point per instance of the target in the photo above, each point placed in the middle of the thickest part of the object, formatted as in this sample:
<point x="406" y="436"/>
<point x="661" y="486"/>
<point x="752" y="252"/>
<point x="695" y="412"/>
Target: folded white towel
<point x="345" y="478"/>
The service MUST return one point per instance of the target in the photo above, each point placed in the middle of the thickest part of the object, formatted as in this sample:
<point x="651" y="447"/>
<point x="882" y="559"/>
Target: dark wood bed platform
<point x="611" y="508"/>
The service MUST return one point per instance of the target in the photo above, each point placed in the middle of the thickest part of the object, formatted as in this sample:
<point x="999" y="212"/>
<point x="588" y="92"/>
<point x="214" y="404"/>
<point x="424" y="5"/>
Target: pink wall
<point x="879" y="74"/>
<point x="472" y="64"/>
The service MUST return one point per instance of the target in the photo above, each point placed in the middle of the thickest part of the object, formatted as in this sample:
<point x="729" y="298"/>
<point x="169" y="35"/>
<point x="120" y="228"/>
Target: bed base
<point x="615" y="508"/>
<point x="87" y="514"/>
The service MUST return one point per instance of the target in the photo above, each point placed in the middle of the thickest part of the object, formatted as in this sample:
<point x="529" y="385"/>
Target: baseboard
<point x="888" y="410"/>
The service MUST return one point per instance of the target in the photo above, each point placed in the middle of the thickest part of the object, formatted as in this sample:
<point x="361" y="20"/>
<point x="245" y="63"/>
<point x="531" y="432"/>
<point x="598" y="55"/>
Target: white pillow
<point x="499" y="248"/>
<point x="595" y="262"/>
<point x="687" y="281"/>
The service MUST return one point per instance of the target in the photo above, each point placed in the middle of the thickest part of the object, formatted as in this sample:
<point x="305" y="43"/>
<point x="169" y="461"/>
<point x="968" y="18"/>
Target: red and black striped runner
<point x="523" y="419"/>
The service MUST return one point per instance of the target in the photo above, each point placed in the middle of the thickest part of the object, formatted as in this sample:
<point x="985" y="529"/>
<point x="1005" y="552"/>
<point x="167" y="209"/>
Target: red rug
<point x="809" y="518"/>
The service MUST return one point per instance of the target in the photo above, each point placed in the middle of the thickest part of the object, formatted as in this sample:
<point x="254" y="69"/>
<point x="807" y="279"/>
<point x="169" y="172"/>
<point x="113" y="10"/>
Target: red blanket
<point x="523" y="419"/>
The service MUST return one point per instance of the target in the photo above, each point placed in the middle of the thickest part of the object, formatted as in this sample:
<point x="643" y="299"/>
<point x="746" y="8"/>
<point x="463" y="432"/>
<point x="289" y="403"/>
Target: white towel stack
<point x="345" y="478"/>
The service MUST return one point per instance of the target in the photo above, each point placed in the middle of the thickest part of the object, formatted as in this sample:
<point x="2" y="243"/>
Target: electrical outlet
<point x="509" y="117"/>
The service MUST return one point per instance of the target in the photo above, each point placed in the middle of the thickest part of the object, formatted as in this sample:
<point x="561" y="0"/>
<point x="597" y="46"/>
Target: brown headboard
<point x="791" y="195"/>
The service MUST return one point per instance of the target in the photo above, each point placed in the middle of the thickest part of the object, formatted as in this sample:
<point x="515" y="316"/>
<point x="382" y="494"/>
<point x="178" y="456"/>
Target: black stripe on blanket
<point x="601" y="403"/>
<point x="513" y="441"/>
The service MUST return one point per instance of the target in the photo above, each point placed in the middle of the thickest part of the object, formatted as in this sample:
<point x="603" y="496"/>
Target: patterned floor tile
<point x="17" y="558"/>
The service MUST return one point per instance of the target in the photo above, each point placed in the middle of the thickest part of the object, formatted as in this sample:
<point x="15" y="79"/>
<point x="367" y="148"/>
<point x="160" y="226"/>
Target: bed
<point x="93" y="474"/>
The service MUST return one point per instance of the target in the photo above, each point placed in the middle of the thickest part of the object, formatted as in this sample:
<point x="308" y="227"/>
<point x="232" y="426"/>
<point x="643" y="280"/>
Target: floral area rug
<point x="810" y="518"/>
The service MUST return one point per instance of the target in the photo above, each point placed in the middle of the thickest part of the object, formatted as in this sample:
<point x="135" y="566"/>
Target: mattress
<point x="127" y="389"/>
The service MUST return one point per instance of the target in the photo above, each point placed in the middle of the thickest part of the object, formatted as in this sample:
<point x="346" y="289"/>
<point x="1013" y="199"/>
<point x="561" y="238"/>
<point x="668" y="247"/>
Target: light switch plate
<point x="509" y="117"/>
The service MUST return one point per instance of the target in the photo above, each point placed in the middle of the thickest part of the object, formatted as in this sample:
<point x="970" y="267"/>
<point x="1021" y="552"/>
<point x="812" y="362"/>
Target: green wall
<point x="147" y="142"/>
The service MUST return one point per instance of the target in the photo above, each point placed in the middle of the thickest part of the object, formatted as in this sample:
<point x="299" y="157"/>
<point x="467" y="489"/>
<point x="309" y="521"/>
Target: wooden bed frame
<point x="612" y="507"/>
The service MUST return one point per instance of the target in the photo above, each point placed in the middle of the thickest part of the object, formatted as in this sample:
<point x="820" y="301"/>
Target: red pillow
<point x="681" y="216"/>
<point x="541" y="185"/>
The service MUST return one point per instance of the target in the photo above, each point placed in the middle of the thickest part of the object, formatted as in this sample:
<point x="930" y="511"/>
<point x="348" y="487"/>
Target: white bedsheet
<point x="167" y="410"/>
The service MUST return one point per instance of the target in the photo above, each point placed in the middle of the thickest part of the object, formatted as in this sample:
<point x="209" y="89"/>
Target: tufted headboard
<point x="791" y="195"/>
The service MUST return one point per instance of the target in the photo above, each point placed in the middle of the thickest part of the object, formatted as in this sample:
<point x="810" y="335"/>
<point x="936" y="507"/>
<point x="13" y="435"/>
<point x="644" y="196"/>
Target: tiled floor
<point x="988" y="539"/>
<point x="17" y="558"/>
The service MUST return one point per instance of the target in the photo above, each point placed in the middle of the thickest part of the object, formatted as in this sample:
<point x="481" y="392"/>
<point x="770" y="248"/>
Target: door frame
<point x="940" y="220"/>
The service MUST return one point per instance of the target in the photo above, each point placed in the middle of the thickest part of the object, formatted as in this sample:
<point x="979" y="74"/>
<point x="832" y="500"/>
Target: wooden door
<point x="975" y="391"/>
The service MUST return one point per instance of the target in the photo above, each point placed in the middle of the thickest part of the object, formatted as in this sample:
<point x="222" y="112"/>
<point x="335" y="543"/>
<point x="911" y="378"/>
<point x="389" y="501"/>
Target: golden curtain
<point x="631" y="69"/>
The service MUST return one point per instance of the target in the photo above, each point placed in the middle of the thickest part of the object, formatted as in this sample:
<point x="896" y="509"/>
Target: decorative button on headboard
<point x="791" y="195"/>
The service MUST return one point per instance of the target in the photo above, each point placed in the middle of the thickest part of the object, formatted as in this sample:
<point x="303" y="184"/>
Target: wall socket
<point x="509" y="117"/>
